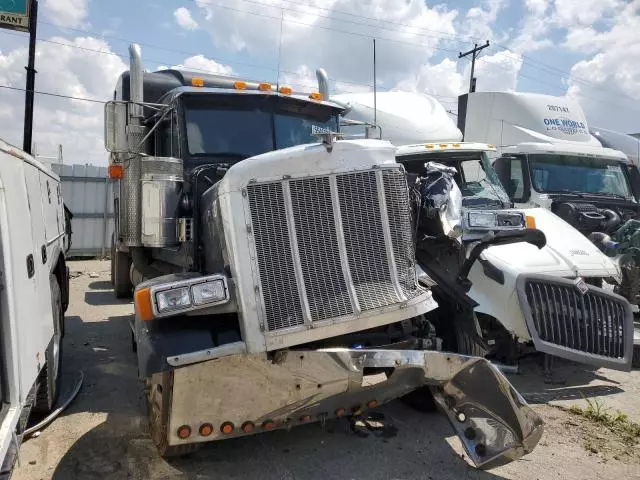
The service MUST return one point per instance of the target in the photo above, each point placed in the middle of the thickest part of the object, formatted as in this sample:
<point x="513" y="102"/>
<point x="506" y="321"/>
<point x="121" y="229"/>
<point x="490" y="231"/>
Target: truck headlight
<point x="163" y="299"/>
<point x="208" y="292"/>
<point x="481" y="220"/>
<point x="176" y="298"/>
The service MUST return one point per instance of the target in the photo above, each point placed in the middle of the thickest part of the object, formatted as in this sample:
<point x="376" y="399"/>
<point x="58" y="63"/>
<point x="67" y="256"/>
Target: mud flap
<point x="493" y="421"/>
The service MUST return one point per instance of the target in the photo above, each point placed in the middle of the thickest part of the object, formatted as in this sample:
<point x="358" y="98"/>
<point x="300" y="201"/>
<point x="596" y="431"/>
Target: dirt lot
<point x="103" y="434"/>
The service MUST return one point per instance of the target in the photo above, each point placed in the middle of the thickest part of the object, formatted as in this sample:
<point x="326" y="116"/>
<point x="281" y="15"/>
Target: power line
<point x="51" y="94"/>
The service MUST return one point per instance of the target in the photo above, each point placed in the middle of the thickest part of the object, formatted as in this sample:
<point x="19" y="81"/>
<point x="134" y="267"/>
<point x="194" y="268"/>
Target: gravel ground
<point x="104" y="433"/>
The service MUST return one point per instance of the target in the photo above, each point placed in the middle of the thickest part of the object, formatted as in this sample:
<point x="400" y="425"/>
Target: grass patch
<point x="617" y="422"/>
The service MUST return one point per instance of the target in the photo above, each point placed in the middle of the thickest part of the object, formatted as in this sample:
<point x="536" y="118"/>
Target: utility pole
<point x="475" y="51"/>
<point x="31" y="78"/>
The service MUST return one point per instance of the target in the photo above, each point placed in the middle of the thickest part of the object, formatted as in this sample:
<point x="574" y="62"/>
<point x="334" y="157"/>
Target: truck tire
<point x="51" y="373"/>
<point x="468" y="344"/>
<point x="635" y="359"/>
<point x="120" y="276"/>
<point x="158" y="401"/>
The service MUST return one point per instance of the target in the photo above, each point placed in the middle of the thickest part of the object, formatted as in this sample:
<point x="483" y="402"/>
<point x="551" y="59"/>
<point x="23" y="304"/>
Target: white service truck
<point x="519" y="293"/>
<point x="34" y="294"/>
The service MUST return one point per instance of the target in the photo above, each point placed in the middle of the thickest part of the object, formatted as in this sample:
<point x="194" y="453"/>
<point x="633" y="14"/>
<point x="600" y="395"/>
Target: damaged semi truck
<point x="512" y="297"/>
<point x="273" y="273"/>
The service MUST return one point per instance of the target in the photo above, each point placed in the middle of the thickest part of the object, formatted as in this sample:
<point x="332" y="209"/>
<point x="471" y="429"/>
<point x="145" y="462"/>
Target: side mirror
<point x="115" y="127"/>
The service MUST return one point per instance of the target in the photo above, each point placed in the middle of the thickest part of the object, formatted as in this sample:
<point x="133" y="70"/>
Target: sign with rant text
<point x="14" y="14"/>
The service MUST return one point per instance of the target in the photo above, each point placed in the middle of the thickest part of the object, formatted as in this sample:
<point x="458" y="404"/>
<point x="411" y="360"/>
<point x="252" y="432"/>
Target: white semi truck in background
<point x="274" y="271"/>
<point x="34" y="294"/>
<point x="519" y="293"/>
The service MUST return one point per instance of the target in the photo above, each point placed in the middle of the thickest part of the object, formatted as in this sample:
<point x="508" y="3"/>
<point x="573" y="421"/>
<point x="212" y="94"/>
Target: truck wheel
<point x="120" y="266"/>
<point x="158" y="401"/>
<point x="469" y="344"/>
<point x="50" y="375"/>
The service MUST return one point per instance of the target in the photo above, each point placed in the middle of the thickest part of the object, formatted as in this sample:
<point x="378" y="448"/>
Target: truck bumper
<point x="240" y="395"/>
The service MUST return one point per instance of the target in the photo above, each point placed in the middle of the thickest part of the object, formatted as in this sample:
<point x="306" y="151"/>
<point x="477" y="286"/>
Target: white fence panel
<point x="88" y="194"/>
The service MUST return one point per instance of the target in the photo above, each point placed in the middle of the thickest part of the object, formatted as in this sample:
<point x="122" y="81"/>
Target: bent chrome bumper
<point x="494" y="422"/>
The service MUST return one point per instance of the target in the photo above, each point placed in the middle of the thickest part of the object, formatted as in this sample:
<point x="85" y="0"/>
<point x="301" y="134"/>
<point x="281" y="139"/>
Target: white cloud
<point x="200" y="63"/>
<point x="441" y="79"/>
<point x="569" y="13"/>
<point x="76" y="124"/>
<point x="608" y="84"/>
<point x="479" y="20"/>
<point x="66" y="13"/>
<point x="407" y="34"/>
<point x="184" y="19"/>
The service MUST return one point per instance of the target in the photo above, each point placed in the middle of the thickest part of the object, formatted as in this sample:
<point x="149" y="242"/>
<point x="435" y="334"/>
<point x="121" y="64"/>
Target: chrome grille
<point x="318" y="248"/>
<point x="364" y="239"/>
<point x="595" y="323"/>
<point x="326" y="245"/>
<point x="273" y="248"/>
<point x="396" y="193"/>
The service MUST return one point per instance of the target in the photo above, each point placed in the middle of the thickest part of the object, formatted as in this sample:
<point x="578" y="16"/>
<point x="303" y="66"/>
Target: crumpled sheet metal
<point x="493" y="421"/>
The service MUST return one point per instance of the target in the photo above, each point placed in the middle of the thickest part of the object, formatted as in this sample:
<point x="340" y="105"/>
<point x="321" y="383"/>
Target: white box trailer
<point x="34" y="294"/>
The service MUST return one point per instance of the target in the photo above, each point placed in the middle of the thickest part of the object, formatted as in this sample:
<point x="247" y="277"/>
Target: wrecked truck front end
<point x="309" y="309"/>
<point x="240" y="395"/>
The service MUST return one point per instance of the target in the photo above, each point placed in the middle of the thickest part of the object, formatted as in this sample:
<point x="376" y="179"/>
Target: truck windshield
<point x="476" y="178"/>
<point x="557" y="173"/>
<point x="248" y="132"/>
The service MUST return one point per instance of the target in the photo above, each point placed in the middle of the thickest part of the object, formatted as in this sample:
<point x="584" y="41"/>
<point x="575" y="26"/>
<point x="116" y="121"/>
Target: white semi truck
<point x="273" y="272"/>
<point x="520" y="293"/>
<point x="34" y="294"/>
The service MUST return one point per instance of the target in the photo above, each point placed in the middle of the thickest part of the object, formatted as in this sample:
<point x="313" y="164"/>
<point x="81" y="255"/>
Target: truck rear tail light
<point x="184" y="432"/>
<point x="372" y="404"/>
<point x="265" y="87"/>
<point x="305" y="418"/>
<point x="197" y="82"/>
<point x="240" y="85"/>
<point x="286" y="90"/>
<point x="315" y="96"/>
<point x="340" y="412"/>
<point x="142" y="301"/>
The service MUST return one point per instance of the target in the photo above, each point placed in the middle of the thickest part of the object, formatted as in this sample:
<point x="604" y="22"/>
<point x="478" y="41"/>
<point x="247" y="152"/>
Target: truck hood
<point x="567" y="253"/>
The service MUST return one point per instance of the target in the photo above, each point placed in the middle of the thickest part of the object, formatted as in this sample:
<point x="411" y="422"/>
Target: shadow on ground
<point x="101" y="285"/>
<point x="570" y="381"/>
<point x="103" y="298"/>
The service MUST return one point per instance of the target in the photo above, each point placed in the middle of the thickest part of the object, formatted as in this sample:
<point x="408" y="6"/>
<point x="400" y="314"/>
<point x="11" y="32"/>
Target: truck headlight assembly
<point x="481" y="220"/>
<point x="208" y="292"/>
<point x="176" y="298"/>
<point x="171" y="298"/>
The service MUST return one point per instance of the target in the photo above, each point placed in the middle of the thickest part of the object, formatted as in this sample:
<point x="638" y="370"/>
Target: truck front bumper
<point x="239" y="395"/>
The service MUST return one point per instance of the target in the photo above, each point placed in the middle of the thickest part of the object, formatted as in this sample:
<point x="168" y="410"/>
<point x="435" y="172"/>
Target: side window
<point x="163" y="139"/>
<point x="516" y="180"/>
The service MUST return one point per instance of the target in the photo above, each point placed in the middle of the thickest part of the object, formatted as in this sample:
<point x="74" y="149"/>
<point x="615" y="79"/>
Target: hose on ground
<point x="52" y="416"/>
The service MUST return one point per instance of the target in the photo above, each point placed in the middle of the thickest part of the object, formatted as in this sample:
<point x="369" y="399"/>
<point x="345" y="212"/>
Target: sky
<point x="587" y="49"/>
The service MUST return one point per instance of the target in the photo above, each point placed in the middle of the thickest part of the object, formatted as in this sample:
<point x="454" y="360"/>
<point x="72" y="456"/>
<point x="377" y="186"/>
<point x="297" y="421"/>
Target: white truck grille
<point x="332" y="246"/>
